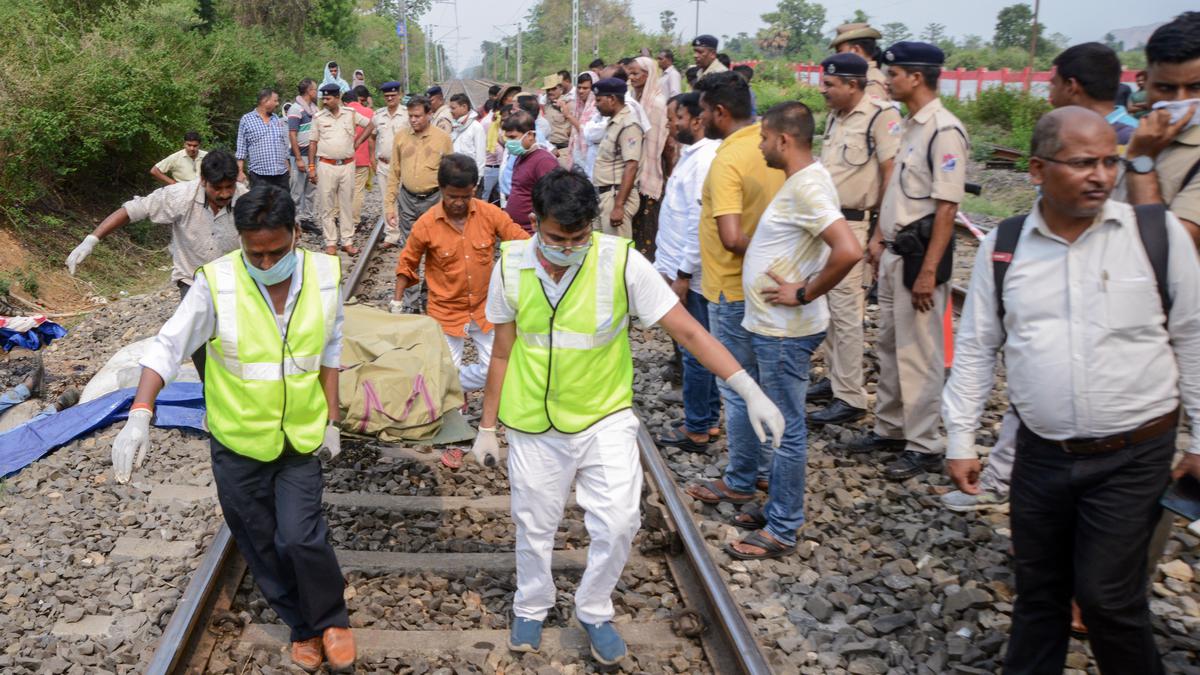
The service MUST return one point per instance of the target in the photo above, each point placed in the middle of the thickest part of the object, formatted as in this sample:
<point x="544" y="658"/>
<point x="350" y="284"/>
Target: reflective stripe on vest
<point x="262" y="390"/>
<point x="571" y="365"/>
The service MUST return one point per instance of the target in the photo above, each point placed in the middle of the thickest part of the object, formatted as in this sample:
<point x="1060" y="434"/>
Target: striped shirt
<point x="263" y="145"/>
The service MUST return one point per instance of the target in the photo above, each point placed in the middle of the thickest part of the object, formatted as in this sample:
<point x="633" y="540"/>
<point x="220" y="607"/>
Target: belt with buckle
<point x="335" y="162"/>
<point x="1098" y="446"/>
<point x="856" y="215"/>
<point x="605" y="188"/>
<point x="420" y="195"/>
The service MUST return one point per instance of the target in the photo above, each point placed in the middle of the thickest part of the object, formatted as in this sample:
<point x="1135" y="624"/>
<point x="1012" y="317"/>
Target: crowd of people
<point x="544" y="223"/>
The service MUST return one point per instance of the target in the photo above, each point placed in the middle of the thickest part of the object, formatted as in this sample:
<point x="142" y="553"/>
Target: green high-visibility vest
<point x="570" y="365"/>
<point x="260" y="389"/>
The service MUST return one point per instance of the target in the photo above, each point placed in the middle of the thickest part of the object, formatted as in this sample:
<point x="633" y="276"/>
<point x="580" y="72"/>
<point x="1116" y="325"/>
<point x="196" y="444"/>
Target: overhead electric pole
<point x="1033" y="38"/>
<point x="574" y="40"/>
<point x="519" y="79"/>
<point x="428" y="44"/>
<point x="404" y="21"/>
<point x="698" y="16"/>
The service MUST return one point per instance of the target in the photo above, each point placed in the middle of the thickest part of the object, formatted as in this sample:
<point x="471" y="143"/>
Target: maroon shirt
<point x="529" y="168"/>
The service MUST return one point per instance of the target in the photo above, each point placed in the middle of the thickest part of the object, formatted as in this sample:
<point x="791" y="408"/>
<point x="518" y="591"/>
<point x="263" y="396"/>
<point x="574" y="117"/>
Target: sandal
<point x="771" y="548"/>
<point x="330" y="250"/>
<point x="387" y="246"/>
<point x="678" y="438"/>
<point x="749" y="518"/>
<point x="762" y="484"/>
<point x="715" y="492"/>
<point x="452" y="458"/>
<point x="350" y="249"/>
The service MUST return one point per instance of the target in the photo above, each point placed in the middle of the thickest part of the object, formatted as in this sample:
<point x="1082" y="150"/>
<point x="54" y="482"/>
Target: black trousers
<point x="283" y="180"/>
<point x="200" y="355"/>
<point x="274" y="511"/>
<point x="1080" y="528"/>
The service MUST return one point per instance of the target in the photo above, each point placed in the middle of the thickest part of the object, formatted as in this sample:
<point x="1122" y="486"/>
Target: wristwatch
<point x="680" y="274"/>
<point x="801" y="296"/>
<point x="1140" y="164"/>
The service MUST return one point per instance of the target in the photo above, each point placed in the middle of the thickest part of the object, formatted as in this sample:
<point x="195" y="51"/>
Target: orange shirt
<point x="458" y="264"/>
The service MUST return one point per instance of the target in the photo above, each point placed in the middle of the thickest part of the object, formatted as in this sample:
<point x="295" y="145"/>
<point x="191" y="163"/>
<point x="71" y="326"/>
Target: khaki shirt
<point x="622" y="142"/>
<point x="715" y="67"/>
<point x="415" y="160"/>
<point x="913" y="189"/>
<point x="180" y="167"/>
<point x="335" y="135"/>
<point x="1172" y="165"/>
<point x="876" y="83"/>
<point x="387" y="125"/>
<point x="198" y="235"/>
<point x="560" y="127"/>
<point x="846" y="151"/>
<point x="443" y="119"/>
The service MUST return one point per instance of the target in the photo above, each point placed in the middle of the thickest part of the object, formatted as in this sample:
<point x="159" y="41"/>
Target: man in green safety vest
<point x="270" y="317"/>
<point x="561" y="381"/>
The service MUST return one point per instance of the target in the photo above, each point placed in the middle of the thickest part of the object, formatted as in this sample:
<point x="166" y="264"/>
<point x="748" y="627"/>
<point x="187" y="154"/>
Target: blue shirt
<point x="263" y="145"/>
<point x="1123" y="123"/>
<point x="506" y="175"/>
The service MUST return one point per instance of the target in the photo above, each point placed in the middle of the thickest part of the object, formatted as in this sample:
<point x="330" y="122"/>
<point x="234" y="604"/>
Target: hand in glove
<point x="129" y="448"/>
<point x="81" y="251"/>
<point x="759" y="408"/>
<point x="332" y="445"/>
<point x="396" y="306"/>
<point x="486" y="449"/>
<point x="19" y="324"/>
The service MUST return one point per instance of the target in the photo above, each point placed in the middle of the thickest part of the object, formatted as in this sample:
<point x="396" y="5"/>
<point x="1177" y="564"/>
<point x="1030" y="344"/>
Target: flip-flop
<point x="749" y="518"/>
<point x="452" y="458"/>
<point x="762" y="484"/>
<point x="677" y="438"/>
<point x="771" y="548"/>
<point x="716" y="487"/>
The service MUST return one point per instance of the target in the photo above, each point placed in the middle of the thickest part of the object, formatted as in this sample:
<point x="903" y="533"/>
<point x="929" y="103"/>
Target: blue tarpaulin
<point x="32" y="339"/>
<point x="180" y="405"/>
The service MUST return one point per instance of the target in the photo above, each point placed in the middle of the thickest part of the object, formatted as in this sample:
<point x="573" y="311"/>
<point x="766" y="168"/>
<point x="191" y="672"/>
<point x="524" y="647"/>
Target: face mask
<point x="514" y="147"/>
<point x="281" y="270"/>
<point x="556" y="256"/>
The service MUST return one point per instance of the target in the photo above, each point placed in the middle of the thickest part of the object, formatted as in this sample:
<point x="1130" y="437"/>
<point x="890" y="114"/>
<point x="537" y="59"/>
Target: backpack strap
<point x="1008" y="233"/>
<point x="1152" y="226"/>
<point x="871" y="139"/>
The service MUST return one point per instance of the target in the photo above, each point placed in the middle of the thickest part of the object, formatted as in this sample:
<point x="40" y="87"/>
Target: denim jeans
<point x="783" y="375"/>
<point x="701" y="400"/>
<point x="18" y="395"/>
<point x="491" y="178"/>
<point x="725" y="323"/>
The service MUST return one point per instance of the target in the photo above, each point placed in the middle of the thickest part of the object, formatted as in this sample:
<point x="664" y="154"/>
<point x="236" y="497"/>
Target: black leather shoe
<point x="911" y="464"/>
<point x="838" y="412"/>
<point x="309" y="227"/>
<point x="872" y="442"/>
<point x="820" y="391"/>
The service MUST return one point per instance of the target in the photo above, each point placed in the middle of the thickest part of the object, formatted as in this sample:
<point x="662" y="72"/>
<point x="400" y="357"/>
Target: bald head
<point x="1059" y="127"/>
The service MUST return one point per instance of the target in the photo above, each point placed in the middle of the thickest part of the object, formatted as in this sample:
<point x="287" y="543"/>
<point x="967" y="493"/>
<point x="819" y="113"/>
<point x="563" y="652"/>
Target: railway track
<point x="428" y="557"/>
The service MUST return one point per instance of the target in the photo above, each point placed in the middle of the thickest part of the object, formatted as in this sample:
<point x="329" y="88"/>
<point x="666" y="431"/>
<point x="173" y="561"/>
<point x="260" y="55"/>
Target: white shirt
<point x="669" y="82"/>
<point x="678" y="241"/>
<point x="593" y="133"/>
<point x="195" y="322"/>
<point x="197" y="234"/>
<point x="650" y="298"/>
<point x="471" y="139"/>
<point x="788" y="243"/>
<point x="1085" y="349"/>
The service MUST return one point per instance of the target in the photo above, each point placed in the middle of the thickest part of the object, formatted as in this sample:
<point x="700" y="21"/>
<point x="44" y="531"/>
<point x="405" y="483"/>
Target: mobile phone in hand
<point x="1183" y="498"/>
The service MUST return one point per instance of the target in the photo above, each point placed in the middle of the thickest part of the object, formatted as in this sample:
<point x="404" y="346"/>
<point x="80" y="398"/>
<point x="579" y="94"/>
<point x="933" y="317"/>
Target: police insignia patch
<point x="949" y="163"/>
<point x="893" y="128"/>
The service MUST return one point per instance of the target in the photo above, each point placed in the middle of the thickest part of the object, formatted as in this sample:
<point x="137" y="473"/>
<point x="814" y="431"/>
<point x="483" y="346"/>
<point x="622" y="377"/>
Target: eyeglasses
<point x="1085" y="163"/>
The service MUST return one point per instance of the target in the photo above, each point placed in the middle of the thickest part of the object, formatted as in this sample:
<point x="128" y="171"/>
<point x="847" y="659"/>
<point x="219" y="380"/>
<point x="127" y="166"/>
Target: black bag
<point x="910" y="244"/>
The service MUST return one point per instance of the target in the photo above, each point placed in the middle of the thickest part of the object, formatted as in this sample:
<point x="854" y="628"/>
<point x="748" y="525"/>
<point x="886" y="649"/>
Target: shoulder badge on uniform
<point x="949" y="162"/>
<point x="894" y="128"/>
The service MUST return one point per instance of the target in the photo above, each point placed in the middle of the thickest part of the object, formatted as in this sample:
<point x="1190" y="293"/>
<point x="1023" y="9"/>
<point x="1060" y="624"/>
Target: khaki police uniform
<point x="622" y="142"/>
<point x="1172" y="166"/>
<point x="876" y="83"/>
<point x="854" y="147"/>
<point x="444" y="119"/>
<point x="334" y="136"/>
<point x="930" y="166"/>
<point x="715" y="67"/>
<point x="387" y="125"/>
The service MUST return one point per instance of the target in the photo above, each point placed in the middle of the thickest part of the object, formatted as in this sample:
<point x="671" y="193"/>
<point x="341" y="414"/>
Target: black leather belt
<point x="420" y="195"/>
<point x="605" y="188"/>
<point x="856" y="215"/>
<point x="1097" y="446"/>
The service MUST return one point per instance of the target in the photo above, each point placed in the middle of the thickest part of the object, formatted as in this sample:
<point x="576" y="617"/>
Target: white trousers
<point x="603" y="462"/>
<point x="472" y="376"/>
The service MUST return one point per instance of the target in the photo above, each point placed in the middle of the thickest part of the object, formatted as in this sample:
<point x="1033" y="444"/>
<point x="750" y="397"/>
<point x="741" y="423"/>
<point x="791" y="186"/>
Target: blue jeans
<point x="725" y="323"/>
<point x="18" y="395"/>
<point x="783" y="375"/>
<point x="491" y="177"/>
<point x="701" y="400"/>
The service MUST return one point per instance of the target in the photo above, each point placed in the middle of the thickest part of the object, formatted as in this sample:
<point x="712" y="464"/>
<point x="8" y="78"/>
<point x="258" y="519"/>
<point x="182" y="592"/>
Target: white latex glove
<point x="396" y="306"/>
<point x="332" y="445"/>
<point x="19" y="323"/>
<point x="759" y="408"/>
<point x="129" y="448"/>
<point x="81" y="251"/>
<point x="486" y="450"/>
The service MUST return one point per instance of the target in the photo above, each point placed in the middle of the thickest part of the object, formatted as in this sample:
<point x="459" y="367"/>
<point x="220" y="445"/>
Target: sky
<point x="1081" y="20"/>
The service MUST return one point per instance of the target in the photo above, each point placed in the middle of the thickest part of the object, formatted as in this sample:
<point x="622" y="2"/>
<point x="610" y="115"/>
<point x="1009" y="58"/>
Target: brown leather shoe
<point x="307" y="654"/>
<point x="339" y="649"/>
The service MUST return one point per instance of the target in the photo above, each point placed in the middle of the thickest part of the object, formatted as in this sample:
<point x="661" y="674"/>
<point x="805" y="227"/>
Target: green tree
<point x="797" y="23"/>
<point x="334" y="19"/>
<point x="894" y="32"/>
<point x="1113" y="43"/>
<point x="934" y="33"/>
<point x="1014" y="27"/>
<point x="970" y="42"/>
<point x="667" y="20"/>
<point x="207" y="14"/>
<point x="859" y="17"/>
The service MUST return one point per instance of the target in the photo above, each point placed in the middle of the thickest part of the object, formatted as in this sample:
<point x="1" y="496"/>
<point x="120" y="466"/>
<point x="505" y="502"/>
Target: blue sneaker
<point x="525" y="636"/>
<point x="607" y="646"/>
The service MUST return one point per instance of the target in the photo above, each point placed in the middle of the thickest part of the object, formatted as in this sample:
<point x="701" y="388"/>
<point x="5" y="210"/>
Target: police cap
<point x="390" y="87"/>
<point x="845" y="65"/>
<point x="331" y="89"/>
<point x="854" y="31"/>
<point x="913" y="54"/>
<point x="610" y="86"/>
<point x="435" y="90"/>
<point x="705" y="41"/>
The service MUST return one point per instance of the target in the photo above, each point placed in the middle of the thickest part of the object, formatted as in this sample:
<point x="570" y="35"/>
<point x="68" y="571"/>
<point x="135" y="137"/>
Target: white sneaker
<point x="986" y="500"/>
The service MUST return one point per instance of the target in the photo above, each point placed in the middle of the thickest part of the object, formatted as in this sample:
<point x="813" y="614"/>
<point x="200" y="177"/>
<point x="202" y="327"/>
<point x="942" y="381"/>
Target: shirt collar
<point x="1190" y="136"/>
<point x="748" y="130"/>
<point x="439" y="214"/>
<point x="1112" y="211"/>
<point x="864" y="106"/>
<point x="689" y="150"/>
<point x="924" y="114"/>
